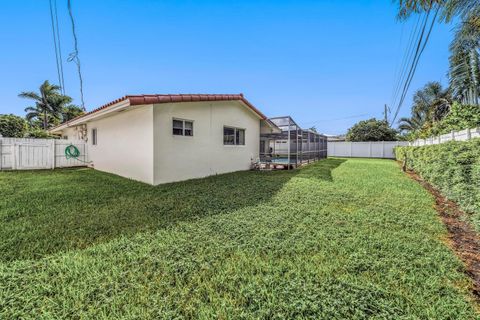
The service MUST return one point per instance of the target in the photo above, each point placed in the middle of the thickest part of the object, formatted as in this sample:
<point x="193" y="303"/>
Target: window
<point x="94" y="136"/>
<point x="182" y="127"/>
<point x="233" y="136"/>
<point x="65" y="137"/>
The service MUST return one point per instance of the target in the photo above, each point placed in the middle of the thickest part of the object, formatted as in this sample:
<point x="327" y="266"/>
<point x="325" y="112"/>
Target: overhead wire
<point x="59" y="47"/>
<point x="406" y="60"/>
<point x="337" y="119"/>
<point x="56" y="43"/>
<point x="74" y="55"/>
<point x="422" y="42"/>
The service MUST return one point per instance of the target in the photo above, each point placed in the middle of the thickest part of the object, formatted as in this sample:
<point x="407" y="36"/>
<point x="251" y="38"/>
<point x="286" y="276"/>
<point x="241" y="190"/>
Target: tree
<point x="413" y="124"/>
<point x="448" y="8"/>
<point x="432" y="101"/>
<point x="313" y="129"/>
<point x="464" y="70"/>
<point x="12" y="126"/>
<point x="70" y="112"/>
<point x="371" y="130"/>
<point x="49" y="104"/>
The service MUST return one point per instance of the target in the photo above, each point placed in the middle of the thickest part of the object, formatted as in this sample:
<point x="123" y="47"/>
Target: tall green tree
<point x="371" y="130"/>
<point x="49" y="103"/>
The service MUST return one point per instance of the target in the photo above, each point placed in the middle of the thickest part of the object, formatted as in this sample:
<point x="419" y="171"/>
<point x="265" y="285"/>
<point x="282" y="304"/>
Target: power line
<point x="59" y="47"/>
<point x="422" y="42"/>
<point x="398" y="65"/>
<point x="336" y="119"/>
<point x="56" y="43"/>
<point x="74" y="55"/>
<point x="407" y="59"/>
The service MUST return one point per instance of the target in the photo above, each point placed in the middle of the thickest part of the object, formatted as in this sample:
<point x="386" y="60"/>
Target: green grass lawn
<point x="339" y="239"/>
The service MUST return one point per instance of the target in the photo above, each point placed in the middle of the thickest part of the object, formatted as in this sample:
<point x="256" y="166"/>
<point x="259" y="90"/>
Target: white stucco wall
<point x="179" y="158"/>
<point x="71" y="133"/>
<point x="124" y="143"/>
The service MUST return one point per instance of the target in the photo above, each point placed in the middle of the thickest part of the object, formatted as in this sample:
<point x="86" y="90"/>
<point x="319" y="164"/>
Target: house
<point x="165" y="138"/>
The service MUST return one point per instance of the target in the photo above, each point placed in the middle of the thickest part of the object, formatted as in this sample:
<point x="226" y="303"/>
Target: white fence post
<point x="52" y="152"/>
<point x="13" y="156"/>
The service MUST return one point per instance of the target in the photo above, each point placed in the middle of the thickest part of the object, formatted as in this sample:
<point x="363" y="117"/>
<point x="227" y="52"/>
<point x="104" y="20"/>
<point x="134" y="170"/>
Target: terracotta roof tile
<point x="135" y="100"/>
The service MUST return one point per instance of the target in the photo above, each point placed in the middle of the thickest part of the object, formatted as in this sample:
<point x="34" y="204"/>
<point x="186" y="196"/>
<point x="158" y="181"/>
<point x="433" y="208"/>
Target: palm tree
<point x="430" y="104"/>
<point x="448" y="8"/>
<point x="433" y="101"/>
<point x="48" y="103"/>
<point x="464" y="69"/>
<point x="464" y="60"/>
<point x="415" y="123"/>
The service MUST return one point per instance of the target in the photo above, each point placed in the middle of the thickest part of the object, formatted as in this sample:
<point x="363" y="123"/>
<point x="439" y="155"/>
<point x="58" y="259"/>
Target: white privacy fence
<point x="26" y="154"/>
<point x="370" y="149"/>
<point x="462" y="135"/>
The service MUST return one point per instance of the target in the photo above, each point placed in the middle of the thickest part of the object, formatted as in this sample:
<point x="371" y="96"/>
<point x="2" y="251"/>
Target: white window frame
<point x="235" y="129"/>
<point x="94" y="136"/>
<point x="183" y="127"/>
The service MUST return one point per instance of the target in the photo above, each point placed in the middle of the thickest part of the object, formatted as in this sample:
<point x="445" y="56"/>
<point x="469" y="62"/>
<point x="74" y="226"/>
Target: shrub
<point x="452" y="167"/>
<point x="12" y="126"/>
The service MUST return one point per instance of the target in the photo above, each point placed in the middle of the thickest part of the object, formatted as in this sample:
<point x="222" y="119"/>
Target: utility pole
<point x="386" y="111"/>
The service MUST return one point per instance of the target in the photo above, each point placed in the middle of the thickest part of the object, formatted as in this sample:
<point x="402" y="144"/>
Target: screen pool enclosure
<point x="292" y="146"/>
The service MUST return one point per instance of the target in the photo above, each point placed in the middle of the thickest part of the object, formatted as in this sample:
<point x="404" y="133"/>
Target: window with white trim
<point x="182" y="127"/>
<point x="94" y="136"/>
<point x="233" y="136"/>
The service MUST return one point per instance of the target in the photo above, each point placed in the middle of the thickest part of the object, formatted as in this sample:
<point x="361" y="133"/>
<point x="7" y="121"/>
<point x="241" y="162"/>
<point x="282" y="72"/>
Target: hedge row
<point x="452" y="167"/>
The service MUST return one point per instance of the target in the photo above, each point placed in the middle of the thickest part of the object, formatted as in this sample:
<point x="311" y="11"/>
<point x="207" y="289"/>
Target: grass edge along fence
<point x="452" y="167"/>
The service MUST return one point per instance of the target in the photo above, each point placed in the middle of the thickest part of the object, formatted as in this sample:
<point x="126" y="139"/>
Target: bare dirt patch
<point x="463" y="239"/>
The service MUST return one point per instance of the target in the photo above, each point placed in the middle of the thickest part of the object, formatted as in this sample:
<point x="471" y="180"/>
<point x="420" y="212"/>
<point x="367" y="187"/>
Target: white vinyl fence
<point x="376" y="149"/>
<point x="462" y="135"/>
<point x="27" y="154"/>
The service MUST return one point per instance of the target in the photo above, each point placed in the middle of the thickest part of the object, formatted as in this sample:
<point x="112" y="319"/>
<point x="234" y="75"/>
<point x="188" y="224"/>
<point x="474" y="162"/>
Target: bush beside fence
<point x="452" y="167"/>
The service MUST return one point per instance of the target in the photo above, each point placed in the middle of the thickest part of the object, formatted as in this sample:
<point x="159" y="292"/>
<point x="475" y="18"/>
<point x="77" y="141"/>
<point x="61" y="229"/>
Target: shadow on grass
<point x="54" y="211"/>
<point x="322" y="170"/>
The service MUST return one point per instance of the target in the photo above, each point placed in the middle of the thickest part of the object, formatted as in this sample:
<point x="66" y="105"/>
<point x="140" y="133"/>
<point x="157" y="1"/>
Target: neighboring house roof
<point x="135" y="100"/>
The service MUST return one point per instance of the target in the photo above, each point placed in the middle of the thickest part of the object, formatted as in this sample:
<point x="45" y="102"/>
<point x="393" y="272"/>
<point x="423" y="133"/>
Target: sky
<point x="327" y="64"/>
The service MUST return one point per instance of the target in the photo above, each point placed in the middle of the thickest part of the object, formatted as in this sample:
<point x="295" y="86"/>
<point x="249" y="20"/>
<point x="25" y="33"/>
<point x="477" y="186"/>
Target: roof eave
<point x="121" y="105"/>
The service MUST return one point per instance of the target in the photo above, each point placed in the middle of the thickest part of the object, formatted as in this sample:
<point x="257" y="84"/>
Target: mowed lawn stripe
<point x="338" y="239"/>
